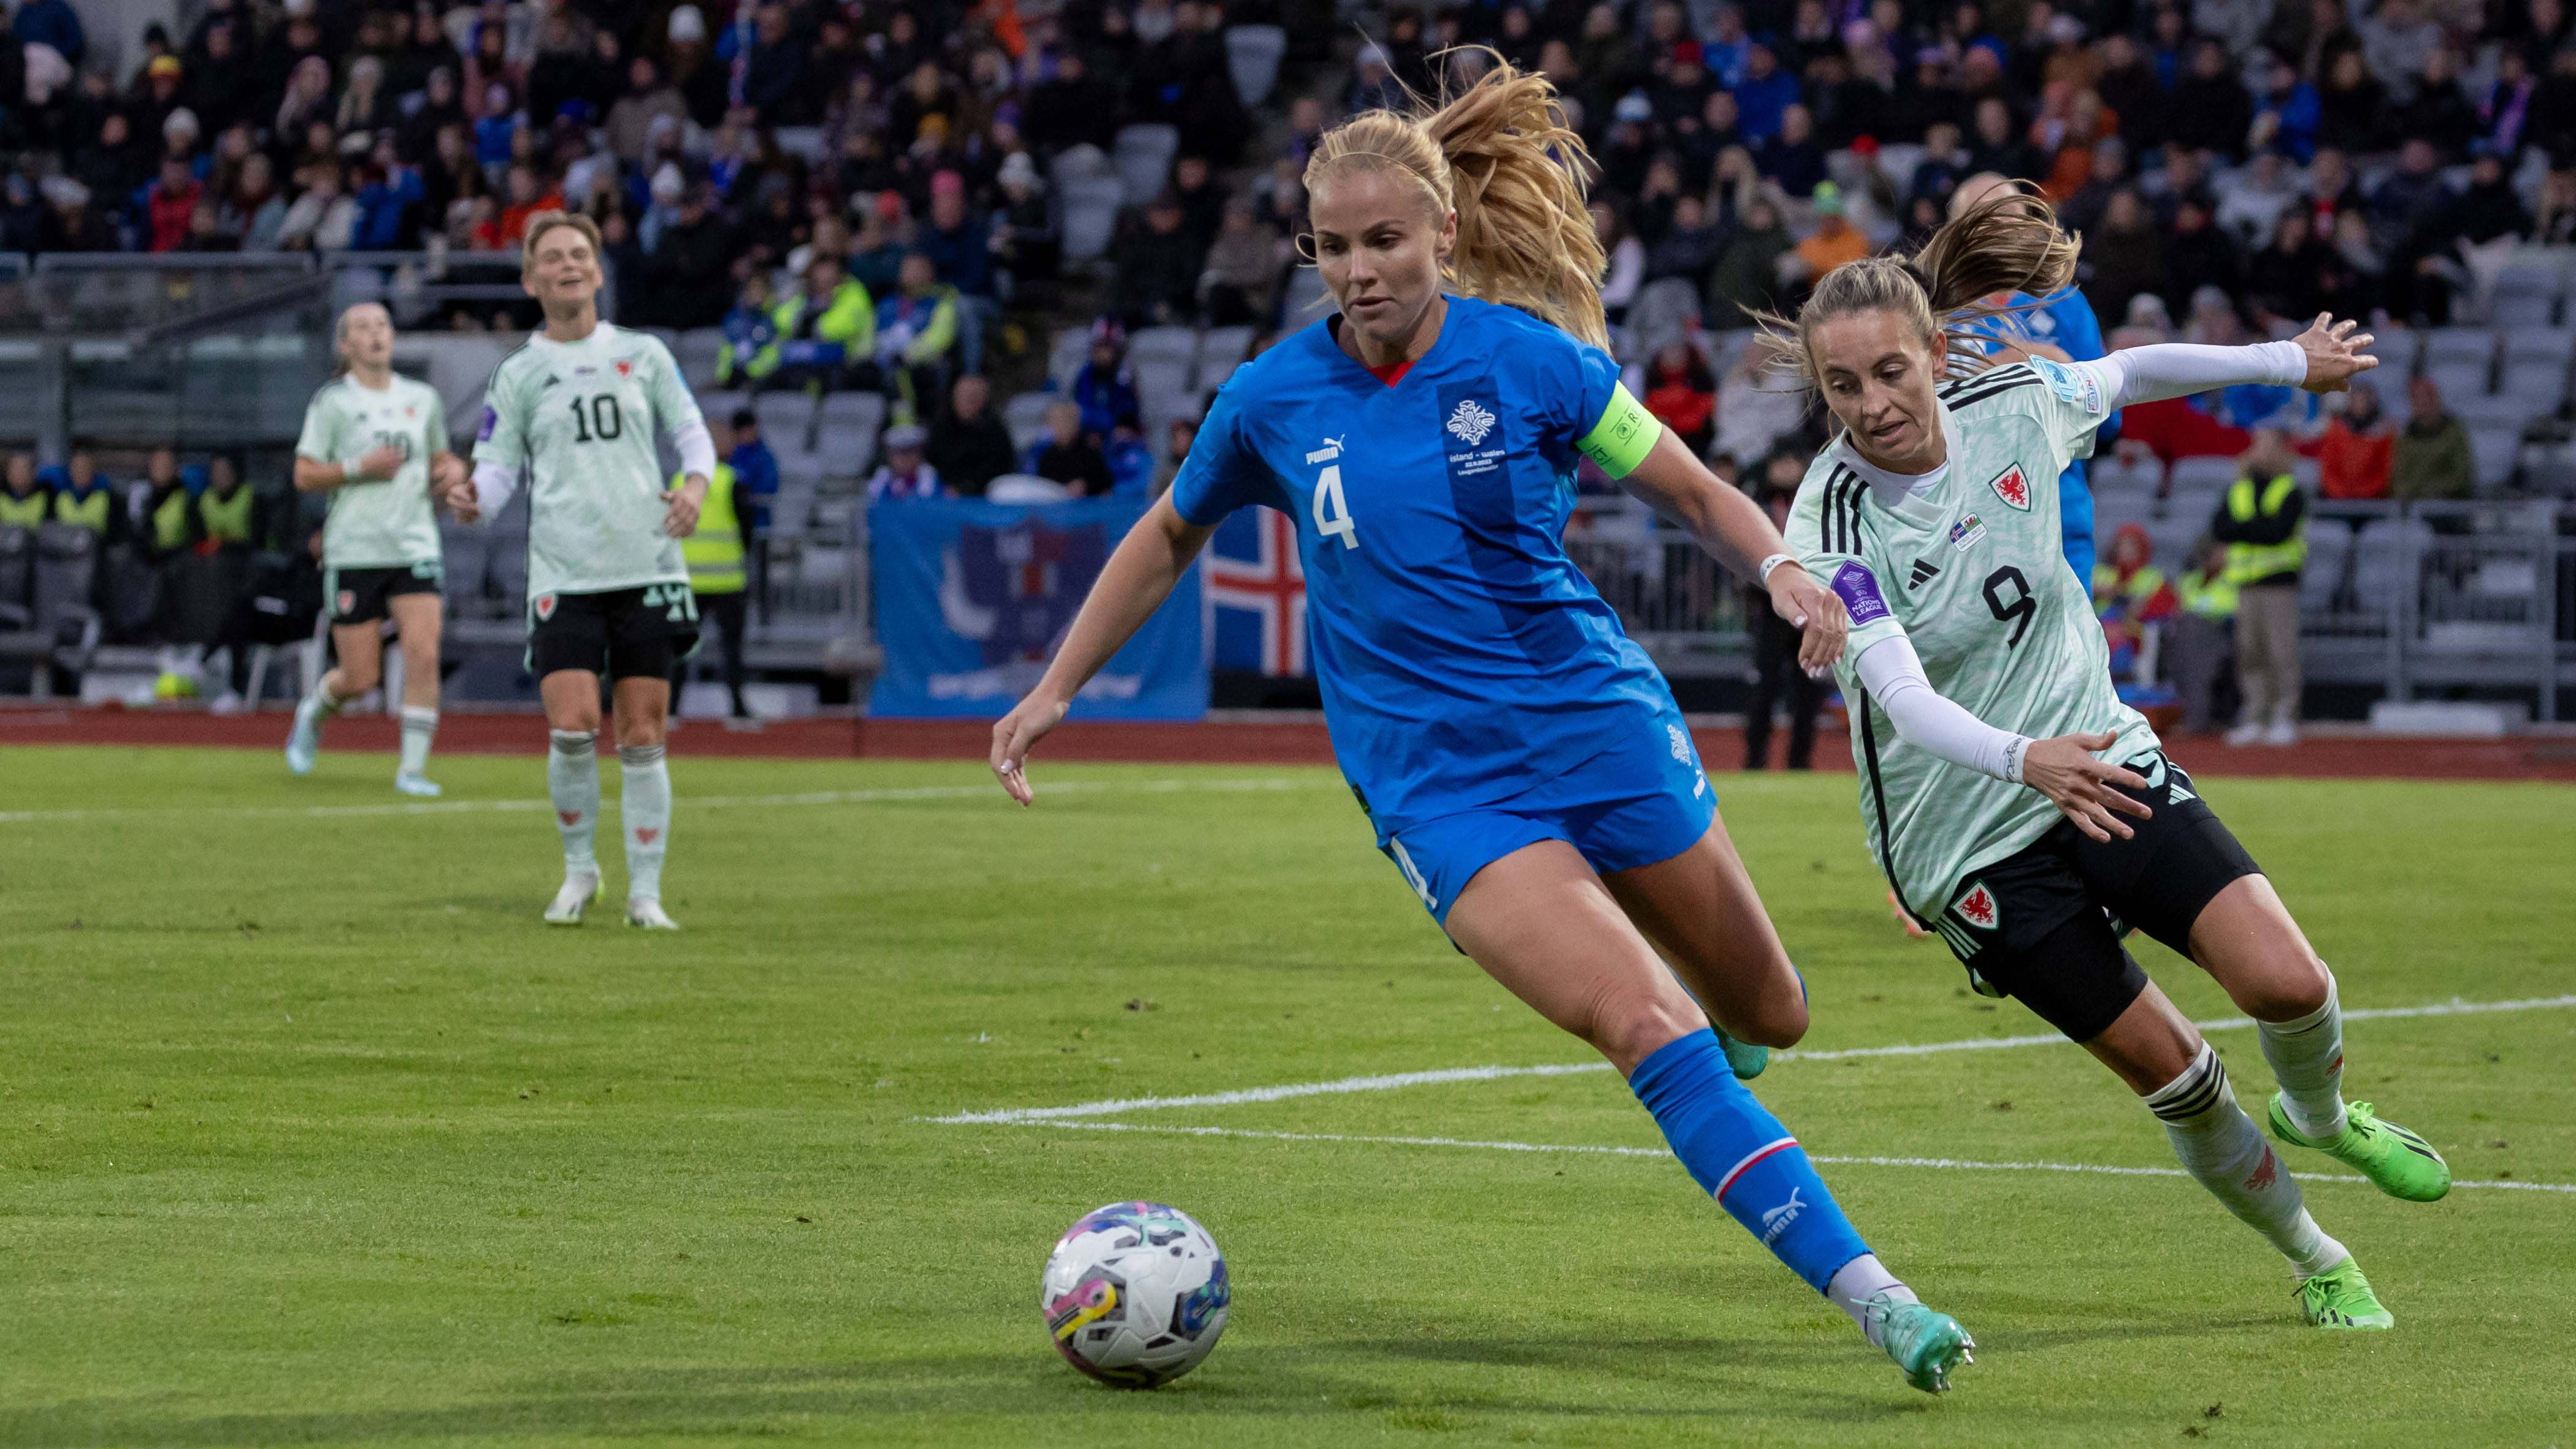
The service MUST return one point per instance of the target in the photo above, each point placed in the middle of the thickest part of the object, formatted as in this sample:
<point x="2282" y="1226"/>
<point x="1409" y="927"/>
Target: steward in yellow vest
<point x="2265" y="527"/>
<point x="24" y="502"/>
<point x="715" y="553"/>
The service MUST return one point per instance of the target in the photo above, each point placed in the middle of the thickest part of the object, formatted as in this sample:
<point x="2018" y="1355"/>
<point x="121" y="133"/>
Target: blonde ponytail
<point x="1500" y="155"/>
<point x="2009" y="242"/>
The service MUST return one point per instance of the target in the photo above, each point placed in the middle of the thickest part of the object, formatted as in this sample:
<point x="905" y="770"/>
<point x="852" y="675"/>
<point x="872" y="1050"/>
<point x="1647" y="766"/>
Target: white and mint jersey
<point x="580" y="420"/>
<point x="390" y="522"/>
<point x="1972" y="572"/>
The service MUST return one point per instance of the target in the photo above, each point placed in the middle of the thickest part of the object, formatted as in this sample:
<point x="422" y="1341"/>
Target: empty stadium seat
<point x="2459" y="381"/>
<point x="1091" y="216"/>
<point x="2110" y="473"/>
<point x="786" y="421"/>
<point x="2530" y="288"/>
<point x="721" y="406"/>
<point x="2459" y="346"/>
<point x="696" y="351"/>
<point x="1162" y="346"/>
<point x="1071" y="349"/>
<point x="846" y="437"/>
<point x="1252" y="54"/>
<point x="1143" y="156"/>
<point x="1025" y="415"/>
<point x="1221" y="351"/>
<point x="2398" y="349"/>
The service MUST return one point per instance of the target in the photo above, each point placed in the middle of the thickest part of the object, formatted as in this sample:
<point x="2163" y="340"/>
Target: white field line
<point x="1392" y="1081"/>
<point x="1953" y="1164"/>
<point x="885" y="795"/>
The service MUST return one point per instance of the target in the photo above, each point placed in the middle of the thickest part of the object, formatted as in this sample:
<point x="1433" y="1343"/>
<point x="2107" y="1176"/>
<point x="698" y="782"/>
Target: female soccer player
<point x="376" y="441"/>
<point x="1983" y="712"/>
<point x="575" y="409"/>
<point x="1523" y="763"/>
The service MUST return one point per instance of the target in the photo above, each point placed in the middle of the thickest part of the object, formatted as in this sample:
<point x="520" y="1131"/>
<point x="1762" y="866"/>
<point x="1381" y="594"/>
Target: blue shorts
<point x="1624" y="808"/>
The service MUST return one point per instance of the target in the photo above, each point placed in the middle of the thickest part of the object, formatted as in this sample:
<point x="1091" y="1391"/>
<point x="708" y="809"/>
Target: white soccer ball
<point x="1135" y="1294"/>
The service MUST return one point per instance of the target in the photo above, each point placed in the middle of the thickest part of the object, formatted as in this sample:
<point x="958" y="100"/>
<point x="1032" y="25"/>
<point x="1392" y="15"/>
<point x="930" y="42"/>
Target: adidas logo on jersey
<point x="2012" y="487"/>
<point x="1978" y="908"/>
<point x="1923" y="573"/>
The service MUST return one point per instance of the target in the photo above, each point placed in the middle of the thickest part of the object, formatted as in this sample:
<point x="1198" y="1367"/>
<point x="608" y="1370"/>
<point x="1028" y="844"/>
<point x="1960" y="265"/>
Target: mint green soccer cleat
<point x="1926" y="1344"/>
<point x="304" y="742"/>
<point x="2396" y="1161"/>
<point x="2340" y="1298"/>
<point x="1743" y="1058"/>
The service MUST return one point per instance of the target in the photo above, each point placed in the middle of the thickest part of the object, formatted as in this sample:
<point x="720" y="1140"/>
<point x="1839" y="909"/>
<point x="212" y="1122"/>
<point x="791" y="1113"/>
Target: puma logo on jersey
<point x="1923" y="574"/>
<point x="2012" y="487"/>
<point x="1978" y="908"/>
<point x="1680" y="741"/>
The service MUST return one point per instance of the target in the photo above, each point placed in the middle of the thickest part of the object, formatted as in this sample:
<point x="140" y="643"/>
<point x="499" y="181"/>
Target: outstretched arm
<point x="1131" y="586"/>
<point x="2063" y="769"/>
<point x="2325" y="358"/>
<point x="1737" y="533"/>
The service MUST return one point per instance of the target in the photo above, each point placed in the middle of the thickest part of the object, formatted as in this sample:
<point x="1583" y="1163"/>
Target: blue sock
<point x="1745" y="1159"/>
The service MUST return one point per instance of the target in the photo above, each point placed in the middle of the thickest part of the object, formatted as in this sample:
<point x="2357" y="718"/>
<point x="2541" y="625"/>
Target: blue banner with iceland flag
<point x="973" y="598"/>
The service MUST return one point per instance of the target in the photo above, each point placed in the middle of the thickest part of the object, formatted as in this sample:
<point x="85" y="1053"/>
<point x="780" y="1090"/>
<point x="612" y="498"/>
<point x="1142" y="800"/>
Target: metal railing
<point x="2455" y="596"/>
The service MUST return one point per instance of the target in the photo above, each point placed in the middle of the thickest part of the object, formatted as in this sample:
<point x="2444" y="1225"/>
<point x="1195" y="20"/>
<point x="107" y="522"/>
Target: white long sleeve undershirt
<point x="2178" y="369"/>
<point x="1893" y="675"/>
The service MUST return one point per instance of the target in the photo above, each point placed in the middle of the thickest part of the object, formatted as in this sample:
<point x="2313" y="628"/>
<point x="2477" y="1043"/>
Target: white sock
<point x="1857" y="1282"/>
<point x="572" y="780"/>
<point x="2220" y="1148"/>
<point x="322" y="703"/>
<point x="419" y="727"/>
<point x="647" y="810"/>
<point x="2307" y="1060"/>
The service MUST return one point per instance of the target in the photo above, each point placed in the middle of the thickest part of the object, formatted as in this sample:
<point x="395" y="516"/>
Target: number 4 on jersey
<point x="1332" y="513"/>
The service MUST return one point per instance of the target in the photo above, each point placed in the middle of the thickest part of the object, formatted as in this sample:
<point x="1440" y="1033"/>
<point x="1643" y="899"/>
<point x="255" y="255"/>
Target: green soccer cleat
<point x="2396" y="1161"/>
<point x="1926" y="1344"/>
<point x="2340" y="1298"/>
<point x="1743" y="1058"/>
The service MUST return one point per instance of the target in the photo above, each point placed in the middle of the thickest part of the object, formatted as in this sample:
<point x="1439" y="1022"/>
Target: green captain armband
<point x="1624" y="436"/>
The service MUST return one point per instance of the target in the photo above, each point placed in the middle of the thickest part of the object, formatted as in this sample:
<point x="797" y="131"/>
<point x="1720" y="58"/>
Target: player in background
<point x="376" y="443"/>
<point x="2014" y="326"/>
<point x="573" y="414"/>
<point x="1521" y="759"/>
<point x="2059" y="326"/>
<point x="2016" y="805"/>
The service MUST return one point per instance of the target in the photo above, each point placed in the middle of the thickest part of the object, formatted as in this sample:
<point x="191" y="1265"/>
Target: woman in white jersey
<point x="376" y="442"/>
<point x="573" y="414"/>
<point x="2017" y="806"/>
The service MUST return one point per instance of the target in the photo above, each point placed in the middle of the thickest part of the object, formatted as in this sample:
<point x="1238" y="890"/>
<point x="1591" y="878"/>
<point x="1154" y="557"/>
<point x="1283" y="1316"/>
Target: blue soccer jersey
<point x="2064" y="320"/>
<point x="1465" y="662"/>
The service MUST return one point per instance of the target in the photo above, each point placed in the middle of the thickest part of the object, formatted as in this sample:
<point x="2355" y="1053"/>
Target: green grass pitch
<point x="311" y="1132"/>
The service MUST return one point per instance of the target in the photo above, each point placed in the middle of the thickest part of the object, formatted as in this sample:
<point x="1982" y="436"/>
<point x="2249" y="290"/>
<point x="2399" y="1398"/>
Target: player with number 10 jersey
<point x="574" y="413"/>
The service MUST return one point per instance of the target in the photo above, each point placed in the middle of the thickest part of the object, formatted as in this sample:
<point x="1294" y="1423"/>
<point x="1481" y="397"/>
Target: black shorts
<point x="623" y="633"/>
<point x="359" y="596"/>
<point x="2044" y="924"/>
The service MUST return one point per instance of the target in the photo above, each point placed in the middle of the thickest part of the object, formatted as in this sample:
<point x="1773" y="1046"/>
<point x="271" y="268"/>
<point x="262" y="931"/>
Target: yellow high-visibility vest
<point x="2210" y="596"/>
<point x="227" y="520"/>
<point x="89" y="512"/>
<point x="2252" y="562"/>
<point x="714" y="552"/>
<point x="170" y="521"/>
<point x="27" y="512"/>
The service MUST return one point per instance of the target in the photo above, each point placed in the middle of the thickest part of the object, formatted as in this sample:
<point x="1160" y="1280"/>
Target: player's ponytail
<point x="2009" y="242"/>
<point x="1499" y="154"/>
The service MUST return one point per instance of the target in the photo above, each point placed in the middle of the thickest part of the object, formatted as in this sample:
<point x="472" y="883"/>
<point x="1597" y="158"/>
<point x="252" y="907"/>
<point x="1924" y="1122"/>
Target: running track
<point x="1296" y="740"/>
